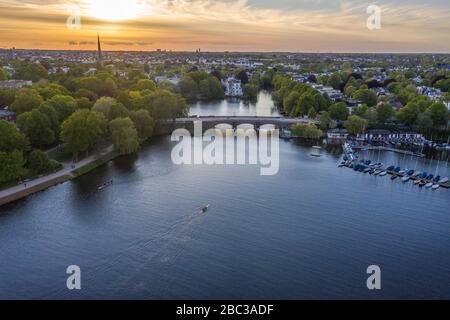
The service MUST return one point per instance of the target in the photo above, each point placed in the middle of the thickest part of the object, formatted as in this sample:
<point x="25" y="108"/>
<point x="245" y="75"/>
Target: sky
<point x="226" y="25"/>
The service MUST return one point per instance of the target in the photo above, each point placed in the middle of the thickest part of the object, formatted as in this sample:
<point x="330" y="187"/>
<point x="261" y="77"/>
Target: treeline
<point x="418" y="113"/>
<point x="85" y="113"/>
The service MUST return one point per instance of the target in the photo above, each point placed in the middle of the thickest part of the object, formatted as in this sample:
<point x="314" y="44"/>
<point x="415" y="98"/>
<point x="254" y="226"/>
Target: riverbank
<point x="69" y="171"/>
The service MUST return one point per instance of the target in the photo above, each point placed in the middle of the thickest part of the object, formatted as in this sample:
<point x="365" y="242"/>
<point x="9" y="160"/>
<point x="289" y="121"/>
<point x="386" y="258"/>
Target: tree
<point x="305" y="103"/>
<point x="211" y="89"/>
<point x="355" y="125"/>
<point x="146" y="84"/>
<point x="163" y="104"/>
<point x="366" y="96"/>
<point x="243" y="76"/>
<point x="439" y="114"/>
<point x="30" y="71"/>
<point x="339" y="111"/>
<point x="312" y="113"/>
<point x="37" y="127"/>
<point x="39" y="162"/>
<point x="143" y="122"/>
<point x="48" y="91"/>
<point x="188" y="88"/>
<point x="6" y="98"/>
<point x="10" y="138"/>
<point x="82" y="130"/>
<point x="3" y="74"/>
<point x="103" y="105"/>
<point x="443" y="84"/>
<point x="52" y="116"/>
<point x="291" y="101"/>
<point x="425" y="122"/>
<point x="384" y="112"/>
<point x="335" y="81"/>
<point x="124" y="135"/>
<point x="26" y="100"/>
<point x="11" y="166"/>
<point x="63" y="105"/>
<point x="307" y="131"/>
<point x="250" y="91"/>
<point x="409" y="114"/>
<point x="371" y="115"/>
<point x="325" y="121"/>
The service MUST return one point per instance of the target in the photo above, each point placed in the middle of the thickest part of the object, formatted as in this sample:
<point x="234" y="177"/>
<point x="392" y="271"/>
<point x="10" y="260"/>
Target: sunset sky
<point x="233" y="25"/>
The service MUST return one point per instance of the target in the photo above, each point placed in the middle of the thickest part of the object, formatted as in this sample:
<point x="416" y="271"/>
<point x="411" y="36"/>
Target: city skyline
<point x="226" y="25"/>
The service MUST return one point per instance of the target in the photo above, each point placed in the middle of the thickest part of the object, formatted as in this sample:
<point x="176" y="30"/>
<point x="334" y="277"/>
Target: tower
<point x="100" y="57"/>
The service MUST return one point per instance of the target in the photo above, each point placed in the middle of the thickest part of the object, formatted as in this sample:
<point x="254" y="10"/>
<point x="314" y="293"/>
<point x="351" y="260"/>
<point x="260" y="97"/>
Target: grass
<point x="95" y="164"/>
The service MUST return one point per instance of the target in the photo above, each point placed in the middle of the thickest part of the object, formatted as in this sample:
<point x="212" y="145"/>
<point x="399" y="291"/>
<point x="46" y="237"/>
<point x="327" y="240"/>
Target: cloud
<point x="250" y="25"/>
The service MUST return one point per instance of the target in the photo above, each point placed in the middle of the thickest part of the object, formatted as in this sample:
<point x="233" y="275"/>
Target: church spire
<point x="99" y="58"/>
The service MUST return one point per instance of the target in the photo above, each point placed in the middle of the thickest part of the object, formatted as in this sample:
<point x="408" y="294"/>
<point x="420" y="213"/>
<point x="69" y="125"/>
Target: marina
<point x="421" y="179"/>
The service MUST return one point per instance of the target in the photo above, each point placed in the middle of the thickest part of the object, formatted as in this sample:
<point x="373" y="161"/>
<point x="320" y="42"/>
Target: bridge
<point x="209" y="122"/>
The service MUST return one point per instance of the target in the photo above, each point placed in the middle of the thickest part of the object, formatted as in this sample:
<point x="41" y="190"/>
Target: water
<point x="263" y="106"/>
<point x="309" y="232"/>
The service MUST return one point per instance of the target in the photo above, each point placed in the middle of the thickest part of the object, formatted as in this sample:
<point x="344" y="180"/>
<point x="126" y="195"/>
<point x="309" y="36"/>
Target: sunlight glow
<point x="115" y="10"/>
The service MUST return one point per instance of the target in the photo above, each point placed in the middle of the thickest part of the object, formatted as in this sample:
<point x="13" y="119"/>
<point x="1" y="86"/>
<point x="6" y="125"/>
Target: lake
<point x="309" y="232"/>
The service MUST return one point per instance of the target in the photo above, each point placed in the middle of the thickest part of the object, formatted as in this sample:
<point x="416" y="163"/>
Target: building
<point x="7" y="115"/>
<point x="233" y="87"/>
<point x="100" y="56"/>
<point x="386" y="135"/>
<point x="337" y="134"/>
<point x="15" y="84"/>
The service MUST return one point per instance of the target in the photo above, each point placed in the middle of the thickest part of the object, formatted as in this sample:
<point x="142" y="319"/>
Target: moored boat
<point x="429" y="185"/>
<point x="382" y="174"/>
<point x="444" y="180"/>
<point x="435" y="186"/>
<point x="405" y="179"/>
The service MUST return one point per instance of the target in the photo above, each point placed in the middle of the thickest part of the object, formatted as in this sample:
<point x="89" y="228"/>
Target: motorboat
<point x="405" y="179"/>
<point x="435" y="186"/>
<point x="394" y="176"/>
<point x="104" y="185"/>
<point x="444" y="180"/>
<point x="205" y="208"/>
<point x="429" y="185"/>
<point x="417" y="181"/>
<point x="382" y="174"/>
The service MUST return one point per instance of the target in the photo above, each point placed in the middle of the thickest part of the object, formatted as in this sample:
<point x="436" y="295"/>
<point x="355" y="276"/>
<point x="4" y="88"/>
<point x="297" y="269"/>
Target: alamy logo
<point x="374" y="280"/>
<point x="74" y="19"/>
<point x="374" y="20"/>
<point x="74" y="280"/>
<point x="228" y="146"/>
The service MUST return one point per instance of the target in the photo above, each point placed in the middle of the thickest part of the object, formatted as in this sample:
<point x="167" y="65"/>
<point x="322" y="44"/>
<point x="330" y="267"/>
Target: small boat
<point x="437" y="179"/>
<point x="377" y="172"/>
<point x="417" y="181"/>
<point x="205" y="208"/>
<point x="394" y="176"/>
<point x="390" y="168"/>
<point x="397" y="169"/>
<point x="415" y="174"/>
<point x="382" y="174"/>
<point x="104" y="185"/>
<point x="405" y="179"/>
<point x="443" y="180"/>
<point x="366" y="170"/>
<point x="410" y="172"/>
<point x="422" y="183"/>
<point x="317" y="147"/>
<point x="429" y="185"/>
<point x="435" y="186"/>
<point x="316" y="155"/>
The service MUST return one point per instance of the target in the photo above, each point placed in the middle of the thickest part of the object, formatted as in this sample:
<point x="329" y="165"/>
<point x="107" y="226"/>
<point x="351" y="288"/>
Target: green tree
<point x="30" y="71"/>
<point x="366" y="96"/>
<point x="6" y="98"/>
<point x="39" y="162"/>
<point x="188" y="88"/>
<point x="63" y="105"/>
<point x="3" y="74"/>
<point x="10" y="138"/>
<point x="335" y="81"/>
<point x="339" y="111"/>
<point x="250" y="91"/>
<point x="82" y="130"/>
<point x="312" y="113"/>
<point x="11" y="166"/>
<point x="307" y="131"/>
<point x="384" y="112"/>
<point x="425" y="122"/>
<point x="146" y="84"/>
<point x="26" y="100"/>
<point x="124" y="135"/>
<point x="291" y="101"/>
<point x="325" y="121"/>
<point x="37" y="127"/>
<point x="143" y="122"/>
<point x="211" y="88"/>
<point x="305" y="103"/>
<point x="439" y="114"/>
<point x="409" y="114"/>
<point x="355" y="125"/>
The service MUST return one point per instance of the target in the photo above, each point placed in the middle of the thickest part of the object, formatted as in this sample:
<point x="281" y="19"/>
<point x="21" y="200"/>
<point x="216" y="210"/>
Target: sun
<point x="114" y="10"/>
